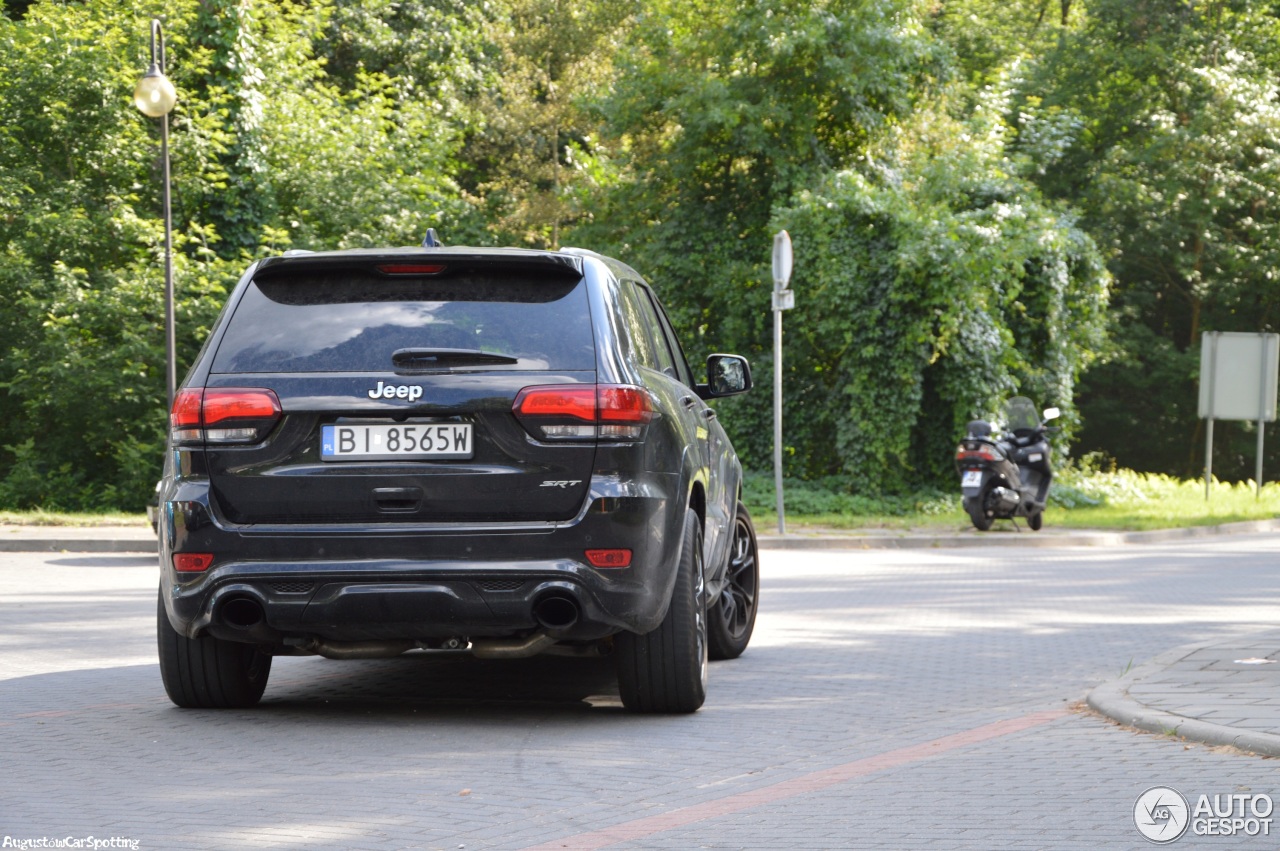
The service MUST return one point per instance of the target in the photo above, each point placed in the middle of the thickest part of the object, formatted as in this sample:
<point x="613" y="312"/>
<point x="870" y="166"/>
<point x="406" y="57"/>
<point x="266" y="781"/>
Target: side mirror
<point x="727" y="375"/>
<point x="1051" y="414"/>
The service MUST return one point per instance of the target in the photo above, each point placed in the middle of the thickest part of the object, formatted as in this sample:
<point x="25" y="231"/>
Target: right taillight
<point x="584" y="412"/>
<point x="227" y="415"/>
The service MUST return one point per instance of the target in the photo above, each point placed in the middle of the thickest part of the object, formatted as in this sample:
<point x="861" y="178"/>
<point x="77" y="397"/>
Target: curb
<point x="1112" y="700"/>
<point x="78" y="545"/>
<point x="1007" y="539"/>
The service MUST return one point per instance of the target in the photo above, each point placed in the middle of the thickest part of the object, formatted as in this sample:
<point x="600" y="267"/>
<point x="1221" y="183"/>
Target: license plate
<point x="971" y="479"/>
<point x="342" y="442"/>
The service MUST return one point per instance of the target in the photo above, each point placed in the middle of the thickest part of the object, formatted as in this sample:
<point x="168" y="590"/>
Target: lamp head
<point x="155" y="96"/>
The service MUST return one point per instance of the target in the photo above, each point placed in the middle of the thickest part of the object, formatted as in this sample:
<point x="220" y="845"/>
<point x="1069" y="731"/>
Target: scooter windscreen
<point x="1021" y="415"/>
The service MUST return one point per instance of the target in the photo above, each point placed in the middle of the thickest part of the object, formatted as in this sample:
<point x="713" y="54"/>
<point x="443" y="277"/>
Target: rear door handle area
<point x="394" y="500"/>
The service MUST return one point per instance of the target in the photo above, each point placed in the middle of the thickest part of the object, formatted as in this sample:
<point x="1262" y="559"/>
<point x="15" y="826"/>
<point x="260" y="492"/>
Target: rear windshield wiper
<point x="415" y="359"/>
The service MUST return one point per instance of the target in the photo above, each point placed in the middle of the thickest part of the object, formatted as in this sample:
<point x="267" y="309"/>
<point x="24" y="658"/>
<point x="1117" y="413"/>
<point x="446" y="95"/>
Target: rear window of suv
<point x="354" y="322"/>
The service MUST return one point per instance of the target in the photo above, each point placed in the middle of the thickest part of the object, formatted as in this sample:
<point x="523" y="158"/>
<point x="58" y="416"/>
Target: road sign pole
<point x="1208" y="438"/>
<point x="1262" y="409"/>
<point x="777" y="416"/>
<point x="783" y="299"/>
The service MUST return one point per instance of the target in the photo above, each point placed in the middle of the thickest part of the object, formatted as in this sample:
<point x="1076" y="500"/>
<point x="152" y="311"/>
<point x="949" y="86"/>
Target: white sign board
<point x="1238" y="375"/>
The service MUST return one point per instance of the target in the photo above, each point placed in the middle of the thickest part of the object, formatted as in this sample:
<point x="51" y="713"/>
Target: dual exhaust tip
<point x="553" y="611"/>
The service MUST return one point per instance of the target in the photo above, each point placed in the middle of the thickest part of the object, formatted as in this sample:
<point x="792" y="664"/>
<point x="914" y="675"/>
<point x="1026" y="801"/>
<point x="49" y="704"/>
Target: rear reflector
<point x="192" y="562"/>
<point x="609" y="558"/>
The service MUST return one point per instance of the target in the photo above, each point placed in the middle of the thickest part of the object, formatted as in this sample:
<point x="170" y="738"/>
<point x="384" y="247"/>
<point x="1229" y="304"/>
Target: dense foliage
<point x="965" y="181"/>
<point x="1161" y="116"/>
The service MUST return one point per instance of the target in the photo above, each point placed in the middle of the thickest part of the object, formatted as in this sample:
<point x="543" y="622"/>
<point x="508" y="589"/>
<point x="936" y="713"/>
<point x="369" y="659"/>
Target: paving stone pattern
<point x="857" y="654"/>
<point x="1235" y="683"/>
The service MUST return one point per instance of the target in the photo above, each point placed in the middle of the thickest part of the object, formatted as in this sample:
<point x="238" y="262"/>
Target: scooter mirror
<point x="1051" y="414"/>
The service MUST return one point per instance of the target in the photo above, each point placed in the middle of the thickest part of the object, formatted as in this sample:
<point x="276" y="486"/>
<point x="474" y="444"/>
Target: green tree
<point x="936" y="284"/>
<point x="268" y="151"/>
<point x="1170" y="120"/>
<point x="720" y="112"/>
<point x="534" y="162"/>
<point x="931" y="279"/>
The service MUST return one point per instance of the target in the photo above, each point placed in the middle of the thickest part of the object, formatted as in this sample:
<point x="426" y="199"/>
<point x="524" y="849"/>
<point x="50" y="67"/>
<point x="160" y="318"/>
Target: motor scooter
<point x="1008" y="475"/>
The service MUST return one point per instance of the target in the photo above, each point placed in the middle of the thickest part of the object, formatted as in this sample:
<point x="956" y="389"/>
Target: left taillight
<point x="226" y="415"/>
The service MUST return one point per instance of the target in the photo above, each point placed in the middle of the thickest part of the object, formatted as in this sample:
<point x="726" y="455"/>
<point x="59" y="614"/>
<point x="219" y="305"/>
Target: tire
<point x="666" y="670"/>
<point x="977" y="512"/>
<point x="732" y="618"/>
<point x="1035" y="521"/>
<point x="209" y="673"/>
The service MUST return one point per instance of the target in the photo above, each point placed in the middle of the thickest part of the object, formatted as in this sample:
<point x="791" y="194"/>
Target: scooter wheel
<point x="974" y="507"/>
<point x="1035" y="521"/>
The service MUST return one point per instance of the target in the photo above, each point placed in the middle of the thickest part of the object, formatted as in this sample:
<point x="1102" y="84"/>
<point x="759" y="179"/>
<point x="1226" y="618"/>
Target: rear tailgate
<point x="396" y="382"/>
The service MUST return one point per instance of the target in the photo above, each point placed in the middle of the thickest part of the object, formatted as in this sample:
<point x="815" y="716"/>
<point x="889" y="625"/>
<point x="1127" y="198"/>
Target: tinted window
<point x="665" y="330"/>
<point x="637" y="333"/>
<point x="653" y="332"/>
<point x="353" y="322"/>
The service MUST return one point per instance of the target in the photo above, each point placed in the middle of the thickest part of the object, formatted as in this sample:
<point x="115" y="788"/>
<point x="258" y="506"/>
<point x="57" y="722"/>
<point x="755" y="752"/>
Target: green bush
<point x="833" y="496"/>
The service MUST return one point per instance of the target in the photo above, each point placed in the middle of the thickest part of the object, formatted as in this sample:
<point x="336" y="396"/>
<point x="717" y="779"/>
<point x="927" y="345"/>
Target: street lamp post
<point x="155" y="98"/>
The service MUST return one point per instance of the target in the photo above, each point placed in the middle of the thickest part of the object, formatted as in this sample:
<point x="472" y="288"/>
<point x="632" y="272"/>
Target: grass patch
<point x="58" y="518"/>
<point x="1081" y="498"/>
<point x="825" y="505"/>
<point x="1123" y="499"/>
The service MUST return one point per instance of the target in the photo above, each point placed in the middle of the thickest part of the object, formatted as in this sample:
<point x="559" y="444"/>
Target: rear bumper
<point x="420" y="600"/>
<point x="421" y="583"/>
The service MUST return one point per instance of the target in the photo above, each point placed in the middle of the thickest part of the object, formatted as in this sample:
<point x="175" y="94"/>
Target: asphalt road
<point x="891" y="699"/>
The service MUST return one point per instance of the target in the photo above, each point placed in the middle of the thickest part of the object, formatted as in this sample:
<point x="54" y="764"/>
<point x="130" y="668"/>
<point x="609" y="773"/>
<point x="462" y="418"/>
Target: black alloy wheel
<point x="208" y="672"/>
<point x="732" y="617"/>
<point x="666" y="670"/>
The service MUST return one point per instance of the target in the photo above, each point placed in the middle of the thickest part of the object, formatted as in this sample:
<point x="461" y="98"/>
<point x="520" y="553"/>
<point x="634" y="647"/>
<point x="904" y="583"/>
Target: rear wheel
<point x="207" y="672"/>
<point x="732" y="618"/>
<point x="666" y="670"/>
<point x="976" y="506"/>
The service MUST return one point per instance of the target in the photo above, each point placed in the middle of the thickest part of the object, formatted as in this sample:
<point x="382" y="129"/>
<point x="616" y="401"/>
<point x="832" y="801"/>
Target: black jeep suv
<point x="440" y="448"/>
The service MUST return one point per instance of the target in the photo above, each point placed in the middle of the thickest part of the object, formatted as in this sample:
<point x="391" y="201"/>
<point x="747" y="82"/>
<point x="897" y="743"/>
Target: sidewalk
<point x="1003" y="535"/>
<point x="77" y="539"/>
<point x="1220" y="693"/>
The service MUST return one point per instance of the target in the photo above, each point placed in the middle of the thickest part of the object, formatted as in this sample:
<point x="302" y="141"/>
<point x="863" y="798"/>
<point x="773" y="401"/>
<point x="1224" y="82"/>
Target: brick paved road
<point x="892" y="699"/>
